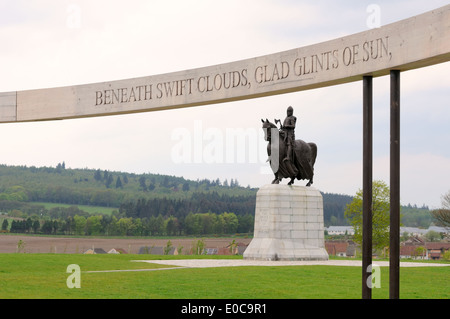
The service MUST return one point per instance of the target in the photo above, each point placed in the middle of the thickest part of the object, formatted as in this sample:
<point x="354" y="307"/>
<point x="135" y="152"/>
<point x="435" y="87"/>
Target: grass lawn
<point x="44" y="276"/>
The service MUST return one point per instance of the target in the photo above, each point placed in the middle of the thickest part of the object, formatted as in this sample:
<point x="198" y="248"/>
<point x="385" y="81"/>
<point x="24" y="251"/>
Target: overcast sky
<point x="58" y="43"/>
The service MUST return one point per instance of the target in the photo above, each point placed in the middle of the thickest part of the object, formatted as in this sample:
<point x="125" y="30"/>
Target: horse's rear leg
<point x="292" y="181"/>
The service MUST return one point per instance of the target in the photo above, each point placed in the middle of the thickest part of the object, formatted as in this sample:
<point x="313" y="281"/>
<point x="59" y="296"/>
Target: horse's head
<point x="267" y="127"/>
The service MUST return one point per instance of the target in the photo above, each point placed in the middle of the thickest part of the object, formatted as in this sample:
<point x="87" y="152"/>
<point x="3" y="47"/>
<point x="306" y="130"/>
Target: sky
<point x="59" y="43"/>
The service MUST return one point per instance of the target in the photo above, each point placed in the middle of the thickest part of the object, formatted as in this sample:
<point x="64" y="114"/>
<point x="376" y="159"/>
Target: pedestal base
<point x="288" y="224"/>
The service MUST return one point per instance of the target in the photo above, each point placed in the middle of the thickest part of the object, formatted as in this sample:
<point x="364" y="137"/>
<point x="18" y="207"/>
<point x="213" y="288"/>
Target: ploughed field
<point x="61" y="245"/>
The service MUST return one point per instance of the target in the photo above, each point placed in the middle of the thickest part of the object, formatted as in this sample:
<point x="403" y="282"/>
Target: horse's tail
<point x="313" y="147"/>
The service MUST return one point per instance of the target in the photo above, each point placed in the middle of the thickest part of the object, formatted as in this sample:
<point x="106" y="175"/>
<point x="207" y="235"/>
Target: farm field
<point x="44" y="276"/>
<point x="78" y="245"/>
<point x="94" y="210"/>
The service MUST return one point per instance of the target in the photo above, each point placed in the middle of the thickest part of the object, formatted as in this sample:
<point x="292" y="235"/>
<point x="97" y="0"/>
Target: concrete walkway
<point x="204" y="263"/>
<point x="210" y="263"/>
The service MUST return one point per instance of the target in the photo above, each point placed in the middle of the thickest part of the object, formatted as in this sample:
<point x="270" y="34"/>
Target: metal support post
<point x="394" y="238"/>
<point x="367" y="185"/>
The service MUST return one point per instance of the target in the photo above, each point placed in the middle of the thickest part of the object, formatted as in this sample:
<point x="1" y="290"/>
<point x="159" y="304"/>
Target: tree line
<point x="197" y="203"/>
<point x="334" y="206"/>
<point x="114" y="225"/>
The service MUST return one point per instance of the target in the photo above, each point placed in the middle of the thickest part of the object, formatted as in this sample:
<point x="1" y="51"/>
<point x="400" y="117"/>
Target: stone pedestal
<point x="288" y="224"/>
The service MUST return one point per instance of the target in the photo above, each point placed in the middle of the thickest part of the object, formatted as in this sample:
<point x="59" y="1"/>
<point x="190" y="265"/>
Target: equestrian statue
<point x="292" y="158"/>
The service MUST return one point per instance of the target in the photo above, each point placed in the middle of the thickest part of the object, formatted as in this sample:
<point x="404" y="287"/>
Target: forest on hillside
<point x="142" y="204"/>
<point x="103" y="187"/>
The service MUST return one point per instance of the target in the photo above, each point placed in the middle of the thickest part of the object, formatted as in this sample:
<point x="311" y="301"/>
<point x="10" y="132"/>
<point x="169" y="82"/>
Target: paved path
<point x="203" y="263"/>
<point x="210" y="263"/>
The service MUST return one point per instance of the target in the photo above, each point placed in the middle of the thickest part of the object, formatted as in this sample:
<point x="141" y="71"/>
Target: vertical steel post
<point x="394" y="237"/>
<point x="367" y="186"/>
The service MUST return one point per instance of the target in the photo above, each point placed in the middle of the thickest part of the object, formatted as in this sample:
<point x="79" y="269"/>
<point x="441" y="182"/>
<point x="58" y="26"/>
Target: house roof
<point x="336" y="247"/>
<point x="117" y="251"/>
<point x="437" y="245"/>
<point x="409" y="250"/>
<point x="95" y="251"/>
<point x="415" y="241"/>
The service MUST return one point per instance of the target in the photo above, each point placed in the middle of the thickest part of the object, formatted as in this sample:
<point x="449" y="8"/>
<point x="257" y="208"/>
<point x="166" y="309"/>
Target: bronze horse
<point x="302" y="166"/>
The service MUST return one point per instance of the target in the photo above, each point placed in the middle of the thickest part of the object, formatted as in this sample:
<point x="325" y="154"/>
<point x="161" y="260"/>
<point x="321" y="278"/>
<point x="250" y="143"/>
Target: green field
<point x="30" y="276"/>
<point x="94" y="210"/>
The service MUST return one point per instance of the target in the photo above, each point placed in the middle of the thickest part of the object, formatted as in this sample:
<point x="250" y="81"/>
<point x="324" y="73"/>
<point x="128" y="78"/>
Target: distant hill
<point x="145" y="195"/>
<point x="333" y="209"/>
<point x="102" y="187"/>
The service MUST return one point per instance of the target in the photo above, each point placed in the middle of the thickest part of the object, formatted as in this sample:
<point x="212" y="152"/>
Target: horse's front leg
<point x="276" y="180"/>
<point x="292" y="181"/>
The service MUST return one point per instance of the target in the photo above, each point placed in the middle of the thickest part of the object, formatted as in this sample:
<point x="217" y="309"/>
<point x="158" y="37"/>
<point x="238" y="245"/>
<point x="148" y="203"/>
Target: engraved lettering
<point x="201" y="87"/>
<point x="169" y="86"/>
<point x="301" y="65"/>
<point x="245" y="81"/>
<point x="327" y="55"/>
<point x="376" y="49"/>
<point x="275" y="75"/>
<point x="372" y="54"/>
<point x="384" y="47"/>
<point x="347" y="56"/>
<point x="355" y="52"/>
<point x="219" y="81"/>
<point x="335" y="64"/>
<point x="115" y="95"/>
<point x="132" y="95"/>
<point x="298" y="67"/>
<point x="147" y="93"/>
<point x="160" y="92"/>
<point x="267" y="73"/>
<point x="209" y="87"/>
<point x="124" y="94"/>
<point x="236" y="79"/>
<point x="107" y="94"/>
<point x="304" y="67"/>
<point x="317" y="63"/>
<point x="98" y="98"/>
<point x="259" y="74"/>
<point x="225" y="78"/>
<point x="366" y="51"/>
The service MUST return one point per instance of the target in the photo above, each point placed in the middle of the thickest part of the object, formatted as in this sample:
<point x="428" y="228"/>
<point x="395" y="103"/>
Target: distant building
<point x="211" y="251"/>
<point x="414" y="231"/>
<point x="340" y="230"/>
<point x="117" y="251"/>
<point x="157" y="250"/>
<point x="417" y="248"/>
<point x="341" y="248"/>
<point x="235" y="249"/>
<point x="437" y="229"/>
<point x="92" y="251"/>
